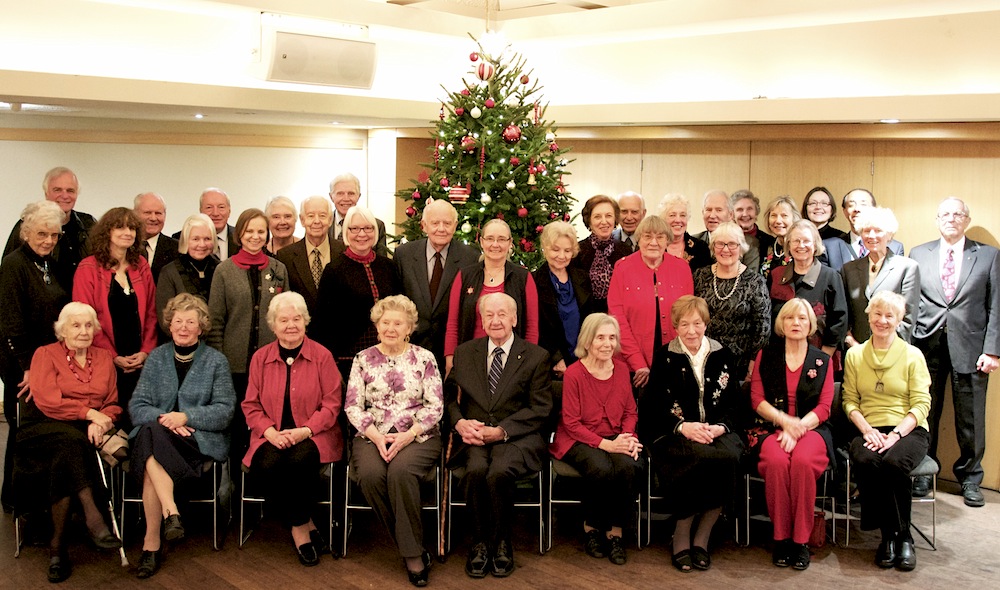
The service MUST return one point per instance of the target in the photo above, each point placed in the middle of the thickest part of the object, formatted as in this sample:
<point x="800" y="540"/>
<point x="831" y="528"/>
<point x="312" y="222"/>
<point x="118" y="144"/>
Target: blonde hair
<point x="559" y="229"/>
<point x="400" y="303"/>
<point x="788" y="309"/>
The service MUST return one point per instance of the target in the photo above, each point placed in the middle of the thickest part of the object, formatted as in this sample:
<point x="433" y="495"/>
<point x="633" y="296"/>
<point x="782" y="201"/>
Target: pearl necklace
<point x="715" y="284"/>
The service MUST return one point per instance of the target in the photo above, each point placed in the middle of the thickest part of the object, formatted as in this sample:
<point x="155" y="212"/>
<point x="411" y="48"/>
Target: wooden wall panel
<point x="410" y="154"/>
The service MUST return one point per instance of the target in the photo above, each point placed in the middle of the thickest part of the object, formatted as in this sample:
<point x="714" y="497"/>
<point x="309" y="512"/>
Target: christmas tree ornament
<point x="553" y="215"/>
<point x="444" y="182"/>
<point x="459" y="111"/>
<point x="541" y="168"/>
<point x="458" y="195"/>
<point x="522" y="212"/>
<point x="441" y="113"/>
<point x="465" y="92"/>
<point x="563" y="162"/>
<point x="553" y="147"/>
<point x="550" y="137"/>
<point x="514" y="161"/>
<point x="485" y="71"/>
<point x="485" y="199"/>
<point x="416" y="195"/>
<point x="539" y="228"/>
<point x="476" y="112"/>
<point x="423" y="177"/>
<point x="490" y="103"/>
<point x="524" y="79"/>
<point x="451" y="148"/>
<point x="466" y="227"/>
<point x="473" y="56"/>
<point x="512" y="134"/>
<point x="410" y="211"/>
<point x="511" y="185"/>
<point x="566" y="217"/>
<point x="468" y="144"/>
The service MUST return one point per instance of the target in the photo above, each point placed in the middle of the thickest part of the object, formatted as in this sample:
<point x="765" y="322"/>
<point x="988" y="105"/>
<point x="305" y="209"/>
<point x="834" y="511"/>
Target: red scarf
<point x="245" y="260"/>
<point x="365" y="261"/>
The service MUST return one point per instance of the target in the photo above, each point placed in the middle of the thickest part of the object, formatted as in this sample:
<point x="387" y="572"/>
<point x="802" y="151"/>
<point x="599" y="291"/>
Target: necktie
<point x="218" y="246"/>
<point x="317" y="266"/>
<point x="862" y="251"/>
<point x="948" y="276"/>
<point x="436" y="276"/>
<point x="496" y="368"/>
<point x="148" y="250"/>
<point x="340" y="229"/>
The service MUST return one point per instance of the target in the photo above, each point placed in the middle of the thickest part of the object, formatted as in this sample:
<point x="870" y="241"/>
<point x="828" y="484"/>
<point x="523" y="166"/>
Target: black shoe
<point x="105" y="540"/>
<point x="616" y="553"/>
<point x="780" y="555"/>
<point x="973" y="497"/>
<point x="149" y="564"/>
<point x="503" y="560"/>
<point x="800" y="556"/>
<point x="921" y="486"/>
<point x="173" y="530"/>
<point x="59" y="568"/>
<point x="307" y="554"/>
<point x="906" y="558"/>
<point x="885" y="555"/>
<point x="595" y="543"/>
<point x="316" y="538"/>
<point x="420" y="579"/>
<point x="478" y="561"/>
<point x="700" y="558"/>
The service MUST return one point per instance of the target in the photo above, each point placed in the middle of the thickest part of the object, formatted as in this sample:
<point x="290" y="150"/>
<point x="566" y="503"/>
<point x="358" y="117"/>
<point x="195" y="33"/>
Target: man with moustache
<point x="633" y="210"/>
<point x="841" y="251"/>
<point x="160" y="249"/>
<point x="345" y="191"/>
<point x="746" y="208"/>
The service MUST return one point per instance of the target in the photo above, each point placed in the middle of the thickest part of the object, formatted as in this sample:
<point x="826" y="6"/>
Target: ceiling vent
<point x="328" y="61"/>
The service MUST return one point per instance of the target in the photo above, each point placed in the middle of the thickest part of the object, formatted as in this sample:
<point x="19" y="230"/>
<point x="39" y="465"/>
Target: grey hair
<point x="485" y="299"/>
<point x="671" y="201"/>
<point x="71" y="309"/>
<point x="642" y="201"/>
<point x="138" y="199"/>
<point x="287" y="299"/>
<point x="193" y="221"/>
<point x="728" y="229"/>
<point x="804" y="225"/>
<point x="39" y="215"/>
<point x="878" y="217"/>
<point x="588" y="331"/>
<point x="442" y="204"/>
<point x="716" y="191"/>
<point x="346" y="177"/>
<point x="365" y="213"/>
<point x="400" y="303"/>
<point x="213" y="189"/>
<point x="327" y="204"/>
<point x="187" y="302"/>
<point x="279" y="201"/>
<point x="56" y="173"/>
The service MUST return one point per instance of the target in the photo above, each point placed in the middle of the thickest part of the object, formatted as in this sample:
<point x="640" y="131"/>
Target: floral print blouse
<point x="395" y="392"/>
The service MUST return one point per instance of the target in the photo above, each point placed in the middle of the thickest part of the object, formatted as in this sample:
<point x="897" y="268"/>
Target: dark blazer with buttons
<point x="165" y="253"/>
<point x="522" y="402"/>
<point x="898" y="274"/>
<point x="300" y="278"/>
<point x="411" y="261"/>
<point x="839" y="252"/>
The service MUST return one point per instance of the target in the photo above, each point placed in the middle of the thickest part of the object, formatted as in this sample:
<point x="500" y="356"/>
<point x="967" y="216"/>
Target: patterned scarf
<point x="365" y="261"/>
<point x="600" y="270"/>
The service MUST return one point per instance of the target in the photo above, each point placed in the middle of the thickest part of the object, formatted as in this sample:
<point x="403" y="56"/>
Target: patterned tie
<point x="948" y="276"/>
<point x="436" y="276"/>
<point x="218" y="247"/>
<point x="148" y="251"/>
<point x="340" y="229"/>
<point x="862" y="251"/>
<point x="496" y="368"/>
<point x="317" y="266"/>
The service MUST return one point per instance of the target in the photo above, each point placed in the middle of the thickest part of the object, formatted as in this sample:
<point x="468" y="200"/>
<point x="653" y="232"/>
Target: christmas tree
<point x="494" y="156"/>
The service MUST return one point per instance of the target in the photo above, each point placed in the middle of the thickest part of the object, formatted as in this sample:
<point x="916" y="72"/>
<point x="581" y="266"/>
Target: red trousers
<point x="790" y="484"/>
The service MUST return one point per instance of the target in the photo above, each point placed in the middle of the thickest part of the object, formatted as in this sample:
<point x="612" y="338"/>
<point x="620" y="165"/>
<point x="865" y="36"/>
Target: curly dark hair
<point x="100" y="237"/>
<point x="593" y="202"/>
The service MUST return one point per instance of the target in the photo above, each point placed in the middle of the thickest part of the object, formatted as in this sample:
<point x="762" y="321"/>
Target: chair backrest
<point x="843" y="430"/>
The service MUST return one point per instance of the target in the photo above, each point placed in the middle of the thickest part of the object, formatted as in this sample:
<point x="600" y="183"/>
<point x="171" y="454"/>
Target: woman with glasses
<point x="819" y="208"/>
<point x="819" y="285"/>
<point x="350" y="286"/>
<point x="736" y="296"/>
<point x="494" y="273"/>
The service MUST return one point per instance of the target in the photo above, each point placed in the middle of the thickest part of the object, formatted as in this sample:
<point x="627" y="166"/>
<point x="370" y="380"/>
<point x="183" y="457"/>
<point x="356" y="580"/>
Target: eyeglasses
<point x="801" y="242"/>
<point x="45" y="235"/>
<point x="727" y="246"/>
<point x="495" y="240"/>
<point x="361" y="230"/>
<point x="181" y="322"/>
<point x="956" y="216"/>
<point x="825" y="205"/>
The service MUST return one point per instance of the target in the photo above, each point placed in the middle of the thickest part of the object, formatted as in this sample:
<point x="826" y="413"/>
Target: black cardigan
<point x="551" y="332"/>
<point x="345" y="303"/>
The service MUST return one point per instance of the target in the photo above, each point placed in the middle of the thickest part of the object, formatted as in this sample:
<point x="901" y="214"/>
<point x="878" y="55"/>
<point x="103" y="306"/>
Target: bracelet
<point x="413" y="431"/>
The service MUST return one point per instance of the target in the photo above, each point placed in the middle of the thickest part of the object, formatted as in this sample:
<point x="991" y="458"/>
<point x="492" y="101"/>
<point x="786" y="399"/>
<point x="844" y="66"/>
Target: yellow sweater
<point x="905" y="384"/>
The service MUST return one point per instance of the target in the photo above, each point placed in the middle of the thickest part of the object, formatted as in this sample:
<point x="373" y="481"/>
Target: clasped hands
<point x="389" y="445"/>
<point x="791" y="430"/>
<point x="700" y="432"/>
<point x="625" y="443"/>
<point x="131" y="363"/>
<point x="176" y="422"/>
<point x="286" y="439"/>
<point x="100" y="424"/>
<point x="474" y="432"/>
<point x="876" y="441"/>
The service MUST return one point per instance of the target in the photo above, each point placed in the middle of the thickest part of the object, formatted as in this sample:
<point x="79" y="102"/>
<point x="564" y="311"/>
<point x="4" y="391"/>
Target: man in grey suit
<point x="345" y="191"/>
<point x="880" y="270"/>
<point x="428" y="267"/>
<point x="498" y="399"/>
<point x="958" y="330"/>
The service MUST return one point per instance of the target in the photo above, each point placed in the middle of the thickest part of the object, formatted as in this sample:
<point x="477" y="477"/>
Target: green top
<point x="905" y="384"/>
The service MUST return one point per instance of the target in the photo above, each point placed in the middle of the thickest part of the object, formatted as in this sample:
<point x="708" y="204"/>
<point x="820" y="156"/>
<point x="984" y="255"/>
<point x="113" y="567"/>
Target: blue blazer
<point x="839" y="252"/>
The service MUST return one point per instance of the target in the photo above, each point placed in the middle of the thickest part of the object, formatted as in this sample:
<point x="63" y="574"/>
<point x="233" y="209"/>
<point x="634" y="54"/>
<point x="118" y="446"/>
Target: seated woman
<point x="686" y="423"/>
<point x="791" y="391"/>
<point x="395" y="401"/>
<point x="73" y="387"/>
<point x="596" y="435"/>
<point x="887" y="397"/>
<point x="293" y="400"/>
<point x="182" y="405"/>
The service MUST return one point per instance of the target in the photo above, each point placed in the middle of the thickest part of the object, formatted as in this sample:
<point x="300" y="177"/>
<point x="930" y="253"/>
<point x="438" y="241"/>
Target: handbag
<point x="817" y="539"/>
<point x="114" y="447"/>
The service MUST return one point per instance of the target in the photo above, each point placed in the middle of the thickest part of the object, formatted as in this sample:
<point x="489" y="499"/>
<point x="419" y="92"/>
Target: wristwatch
<point x="898" y="433"/>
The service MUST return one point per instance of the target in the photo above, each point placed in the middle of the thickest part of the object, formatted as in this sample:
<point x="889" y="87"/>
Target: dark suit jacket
<point x="898" y="274"/>
<point x="551" y="335"/>
<point x="764" y="242"/>
<point x="300" y="279"/>
<point x="521" y="405"/>
<point x="71" y="248"/>
<point x="166" y="252"/>
<point x="381" y="248"/>
<point x="839" y="252"/>
<point x="411" y="261"/>
<point x="973" y="315"/>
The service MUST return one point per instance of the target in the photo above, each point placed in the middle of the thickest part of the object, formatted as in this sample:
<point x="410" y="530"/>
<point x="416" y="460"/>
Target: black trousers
<point x="884" y="481"/>
<point x="609" y="485"/>
<point x="968" y="392"/>
<point x="289" y="478"/>
<point x="491" y="473"/>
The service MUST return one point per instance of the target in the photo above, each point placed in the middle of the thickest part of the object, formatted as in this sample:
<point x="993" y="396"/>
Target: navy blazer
<point x="839" y="252"/>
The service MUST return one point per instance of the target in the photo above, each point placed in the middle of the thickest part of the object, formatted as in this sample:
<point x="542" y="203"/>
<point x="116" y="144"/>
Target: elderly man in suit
<point x="841" y="251"/>
<point x="880" y="270"/>
<point x="633" y="210"/>
<point x="498" y="401"/>
<point x="345" y="191"/>
<point x="160" y="249"/>
<point x="307" y="258"/>
<point x="746" y="209"/>
<point x="958" y="330"/>
<point x="428" y="267"/>
<point x="215" y="203"/>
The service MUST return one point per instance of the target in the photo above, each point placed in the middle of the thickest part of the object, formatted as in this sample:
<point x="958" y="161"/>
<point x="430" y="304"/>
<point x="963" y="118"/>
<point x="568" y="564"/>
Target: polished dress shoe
<point x="972" y="495"/>
<point x="173" y="530"/>
<point x="420" y="579"/>
<point x="322" y="547"/>
<point x="780" y="556"/>
<point x="478" y="561"/>
<point x="594" y="545"/>
<point x="149" y="564"/>
<point x="105" y="540"/>
<point x="800" y="556"/>
<point x="921" y="486"/>
<point x="616" y="551"/>
<point x="885" y="555"/>
<point x="906" y="557"/>
<point x="307" y="554"/>
<point x="503" y="560"/>
<point x="59" y="568"/>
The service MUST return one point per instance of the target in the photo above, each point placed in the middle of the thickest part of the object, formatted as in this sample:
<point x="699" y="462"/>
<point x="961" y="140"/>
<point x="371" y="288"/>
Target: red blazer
<point x="315" y="395"/>
<point x="91" y="285"/>
<point x="630" y="301"/>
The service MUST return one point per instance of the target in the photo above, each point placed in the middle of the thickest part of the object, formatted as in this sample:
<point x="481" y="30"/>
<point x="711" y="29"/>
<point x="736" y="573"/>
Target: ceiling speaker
<point x="308" y="59"/>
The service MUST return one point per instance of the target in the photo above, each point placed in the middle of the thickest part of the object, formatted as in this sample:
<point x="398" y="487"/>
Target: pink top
<point x="592" y="409"/>
<point x="67" y="392"/>
<point x="822" y="409"/>
<point x="455" y="307"/>
<point x="91" y="285"/>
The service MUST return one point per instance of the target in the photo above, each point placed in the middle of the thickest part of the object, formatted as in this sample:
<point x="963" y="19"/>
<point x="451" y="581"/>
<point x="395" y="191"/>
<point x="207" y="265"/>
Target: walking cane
<point x="111" y="507"/>
<point x="445" y="481"/>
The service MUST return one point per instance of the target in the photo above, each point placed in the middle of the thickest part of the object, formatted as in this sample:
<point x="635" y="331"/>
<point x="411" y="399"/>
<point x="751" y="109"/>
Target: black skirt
<point x="698" y="477"/>
<point x="54" y="460"/>
<point x="178" y="455"/>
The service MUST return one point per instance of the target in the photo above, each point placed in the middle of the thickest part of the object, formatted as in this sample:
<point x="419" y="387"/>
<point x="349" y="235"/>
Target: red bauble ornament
<point x="566" y="217"/>
<point x="416" y="195"/>
<point x="522" y="212"/>
<point x="553" y="215"/>
<point x="539" y="228"/>
<point x="468" y="144"/>
<point x="473" y="56"/>
<point x="423" y="176"/>
<point x="484" y="71"/>
<point x="444" y="182"/>
<point x="554" y="147"/>
<point x="459" y="111"/>
<point x="561" y="189"/>
<point x="514" y="160"/>
<point x="410" y="211"/>
<point x="524" y="79"/>
<point x="489" y="103"/>
<point x="500" y="215"/>
<point x="465" y="92"/>
<point x="512" y="134"/>
<point x="541" y="167"/>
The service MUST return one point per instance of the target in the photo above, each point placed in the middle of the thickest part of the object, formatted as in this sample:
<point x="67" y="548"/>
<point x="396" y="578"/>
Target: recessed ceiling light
<point x="199" y="116"/>
<point x="888" y="120"/>
<point x="335" y="122"/>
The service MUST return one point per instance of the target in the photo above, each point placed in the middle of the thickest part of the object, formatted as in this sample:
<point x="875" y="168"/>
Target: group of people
<point x="239" y="343"/>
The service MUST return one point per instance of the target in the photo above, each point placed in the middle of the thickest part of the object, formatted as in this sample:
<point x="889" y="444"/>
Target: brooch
<point x="470" y="290"/>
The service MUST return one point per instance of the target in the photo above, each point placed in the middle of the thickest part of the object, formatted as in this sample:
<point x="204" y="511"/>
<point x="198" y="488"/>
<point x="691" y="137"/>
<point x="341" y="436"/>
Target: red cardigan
<point x="593" y="410"/>
<point x="61" y="395"/>
<point x="91" y="285"/>
<point x="630" y="301"/>
<point x="315" y="395"/>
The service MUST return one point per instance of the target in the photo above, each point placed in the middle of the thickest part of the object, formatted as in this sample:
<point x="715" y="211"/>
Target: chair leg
<point x="347" y="502"/>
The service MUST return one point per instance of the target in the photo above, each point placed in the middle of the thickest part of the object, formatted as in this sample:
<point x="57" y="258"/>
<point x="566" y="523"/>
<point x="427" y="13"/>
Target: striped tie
<point x="496" y="368"/>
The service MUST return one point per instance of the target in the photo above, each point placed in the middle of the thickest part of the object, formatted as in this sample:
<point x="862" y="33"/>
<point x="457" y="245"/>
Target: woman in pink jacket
<point x="643" y="288"/>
